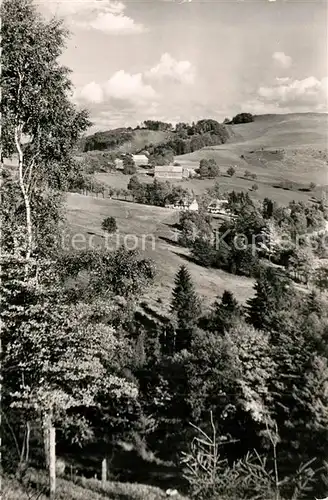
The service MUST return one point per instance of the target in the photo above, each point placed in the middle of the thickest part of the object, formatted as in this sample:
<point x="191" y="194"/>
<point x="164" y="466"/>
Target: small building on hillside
<point x="119" y="164"/>
<point x="140" y="160"/>
<point x="217" y="206"/>
<point x="219" y="209"/>
<point x="189" y="172"/>
<point x="185" y="205"/>
<point x="168" y="172"/>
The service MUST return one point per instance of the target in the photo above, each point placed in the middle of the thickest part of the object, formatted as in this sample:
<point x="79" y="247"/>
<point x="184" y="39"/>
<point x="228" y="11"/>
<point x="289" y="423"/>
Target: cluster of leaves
<point x="157" y="125"/>
<point x="109" y="224"/>
<point x="246" y="367"/>
<point x="208" y="169"/>
<point x="80" y="181"/>
<point x="129" y="167"/>
<point x="158" y="193"/>
<point x="242" y="118"/>
<point x="75" y="354"/>
<point x="194" y="225"/>
<point x="101" y="141"/>
<point x="184" y="138"/>
<point x="289" y="236"/>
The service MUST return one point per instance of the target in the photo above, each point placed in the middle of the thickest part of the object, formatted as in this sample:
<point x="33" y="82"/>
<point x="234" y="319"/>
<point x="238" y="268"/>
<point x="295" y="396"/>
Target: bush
<point x="286" y="185"/>
<point x="129" y="167"/>
<point x="231" y="171"/>
<point x="208" y="168"/>
<point x="109" y="224"/>
<point x="255" y="187"/>
<point x="243" y="118"/>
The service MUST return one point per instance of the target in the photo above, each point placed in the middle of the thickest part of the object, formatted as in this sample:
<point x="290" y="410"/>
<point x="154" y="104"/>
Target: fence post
<point x="52" y="461"/>
<point x="103" y="472"/>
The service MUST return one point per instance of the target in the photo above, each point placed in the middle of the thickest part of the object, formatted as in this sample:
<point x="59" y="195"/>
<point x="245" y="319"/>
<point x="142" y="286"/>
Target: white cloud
<point x="122" y="86"/>
<point x="92" y="92"/>
<point x="133" y="97"/>
<point x="282" y="59"/>
<point x="102" y="15"/>
<point x="68" y="8"/>
<point x="113" y="24"/>
<point x="169" y="68"/>
<point x="288" y="95"/>
<point x="125" y="86"/>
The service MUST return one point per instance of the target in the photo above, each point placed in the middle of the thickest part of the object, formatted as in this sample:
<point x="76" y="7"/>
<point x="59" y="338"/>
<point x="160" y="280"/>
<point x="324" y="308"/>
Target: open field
<point x="139" y="140"/>
<point x="266" y="186"/>
<point x="277" y="148"/>
<point x="151" y="229"/>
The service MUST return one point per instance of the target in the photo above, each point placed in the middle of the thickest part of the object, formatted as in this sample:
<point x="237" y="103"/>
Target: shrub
<point x="312" y="186"/>
<point x="243" y="118"/>
<point x="212" y="477"/>
<point x="109" y="224"/>
<point x="129" y="167"/>
<point x="255" y="187"/>
<point x="231" y="171"/>
<point x="208" y="168"/>
<point x="287" y="185"/>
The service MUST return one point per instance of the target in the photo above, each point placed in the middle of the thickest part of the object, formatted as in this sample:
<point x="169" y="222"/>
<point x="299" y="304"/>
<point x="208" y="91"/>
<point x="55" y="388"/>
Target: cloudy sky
<point x="182" y="60"/>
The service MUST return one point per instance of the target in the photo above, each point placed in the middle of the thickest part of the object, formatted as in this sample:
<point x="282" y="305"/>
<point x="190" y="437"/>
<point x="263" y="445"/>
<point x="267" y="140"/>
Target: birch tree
<point x="40" y="124"/>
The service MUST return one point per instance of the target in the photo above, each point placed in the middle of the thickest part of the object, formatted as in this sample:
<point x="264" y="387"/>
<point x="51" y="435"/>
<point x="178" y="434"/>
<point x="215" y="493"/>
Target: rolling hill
<point x="274" y="147"/>
<point x="124" y="140"/>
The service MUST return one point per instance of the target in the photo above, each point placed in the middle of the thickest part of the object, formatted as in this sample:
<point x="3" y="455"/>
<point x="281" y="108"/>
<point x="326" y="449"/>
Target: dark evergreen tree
<point x="272" y="294"/>
<point x="129" y="167"/>
<point x="268" y="208"/>
<point x="226" y="312"/>
<point x="186" y="307"/>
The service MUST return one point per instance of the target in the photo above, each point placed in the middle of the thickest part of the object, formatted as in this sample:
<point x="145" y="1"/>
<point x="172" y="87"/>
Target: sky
<point x="184" y="60"/>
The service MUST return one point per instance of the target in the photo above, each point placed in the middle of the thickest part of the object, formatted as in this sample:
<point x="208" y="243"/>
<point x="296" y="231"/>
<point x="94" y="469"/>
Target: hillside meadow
<point x="279" y="149"/>
<point x="151" y="228"/>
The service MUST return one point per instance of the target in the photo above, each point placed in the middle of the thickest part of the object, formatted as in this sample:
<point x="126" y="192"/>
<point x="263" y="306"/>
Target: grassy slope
<point x="294" y="148"/>
<point x="141" y="139"/>
<point x="83" y="489"/>
<point x="301" y="140"/>
<point x="85" y="215"/>
<point x="302" y="137"/>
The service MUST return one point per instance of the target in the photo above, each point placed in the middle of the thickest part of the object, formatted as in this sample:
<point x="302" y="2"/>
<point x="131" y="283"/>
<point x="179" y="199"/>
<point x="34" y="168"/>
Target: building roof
<point x="140" y="157"/>
<point x="186" y="201"/>
<point x="168" y="168"/>
<point x="217" y="203"/>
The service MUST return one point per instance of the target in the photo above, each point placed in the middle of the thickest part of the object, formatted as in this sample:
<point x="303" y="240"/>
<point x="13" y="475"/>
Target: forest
<point x="232" y="399"/>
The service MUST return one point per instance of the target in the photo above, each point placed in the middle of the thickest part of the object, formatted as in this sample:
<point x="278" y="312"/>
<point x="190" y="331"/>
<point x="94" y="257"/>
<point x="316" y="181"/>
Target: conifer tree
<point x="186" y="307"/>
<point x="225" y="313"/>
<point x="271" y="295"/>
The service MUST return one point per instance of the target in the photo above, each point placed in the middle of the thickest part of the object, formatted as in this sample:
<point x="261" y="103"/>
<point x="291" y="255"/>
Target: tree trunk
<point x="104" y="472"/>
<point x="49" y="436"/>
<point x="46" y="443"/>
<point x="24" y="192"/>
<point x="52" y="463"/>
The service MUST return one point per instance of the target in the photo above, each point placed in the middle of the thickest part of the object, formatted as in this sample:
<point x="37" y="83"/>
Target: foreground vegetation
<point x="226" y="403"/>
<point x="35" y="485"/>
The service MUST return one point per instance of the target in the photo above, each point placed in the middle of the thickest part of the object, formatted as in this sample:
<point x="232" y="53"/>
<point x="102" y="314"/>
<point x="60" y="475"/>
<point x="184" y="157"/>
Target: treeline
<point x="286" y="236"/>
<point x="188" y="138"/>
<point x="157" y="193"/>
<point x="83" y="377"/>
<point x="110" y="139"/>
<point x="184" y="138"/>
